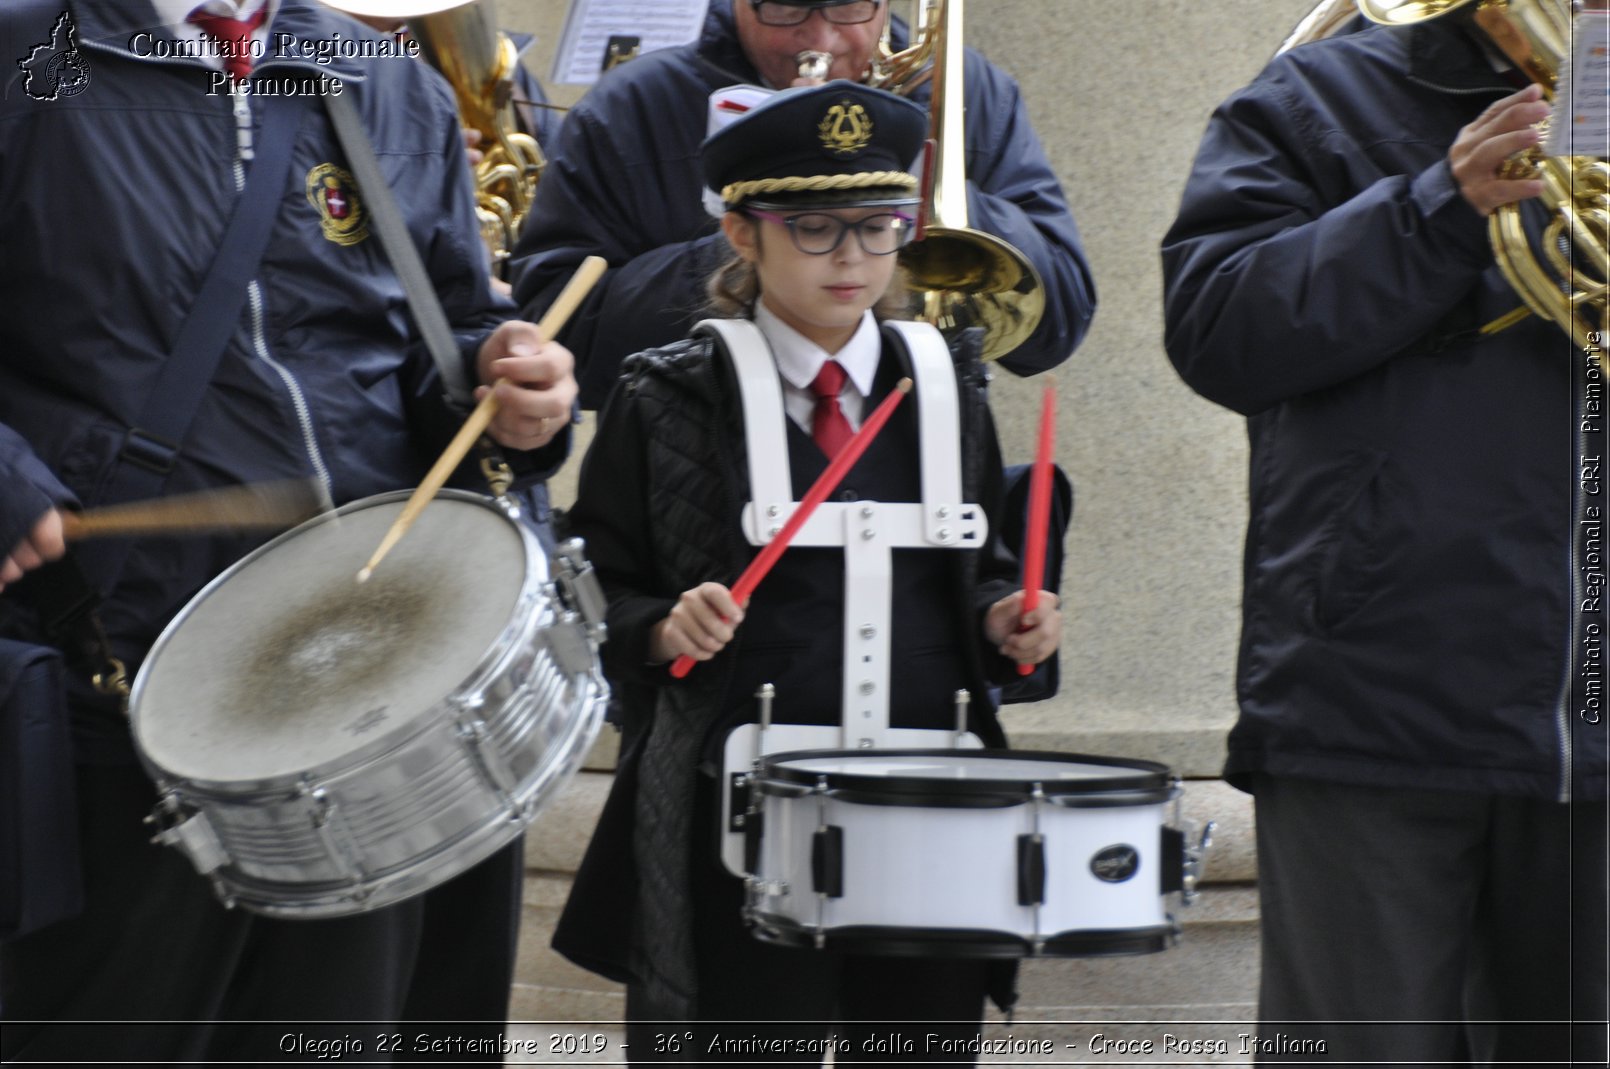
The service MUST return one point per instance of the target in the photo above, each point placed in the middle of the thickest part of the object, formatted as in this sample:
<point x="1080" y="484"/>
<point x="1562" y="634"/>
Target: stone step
<point x="1191" y="751"/>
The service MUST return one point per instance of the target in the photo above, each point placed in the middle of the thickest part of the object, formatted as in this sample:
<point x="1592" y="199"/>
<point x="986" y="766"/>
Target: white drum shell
<point x="421" y="802"/>
<point x="943" y="873"/>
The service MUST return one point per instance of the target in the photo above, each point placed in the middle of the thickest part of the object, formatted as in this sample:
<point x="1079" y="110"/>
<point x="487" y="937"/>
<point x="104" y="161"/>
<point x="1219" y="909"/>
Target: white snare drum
<point x="325" y="747"/>
<point x="992" y="853"/>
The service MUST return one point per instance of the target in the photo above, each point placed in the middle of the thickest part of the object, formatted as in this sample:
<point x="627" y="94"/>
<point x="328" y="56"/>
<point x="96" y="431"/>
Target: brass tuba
<point x="962" y="277"/>
<point x="461" y="39"/>
<point x="1562" y="272"/>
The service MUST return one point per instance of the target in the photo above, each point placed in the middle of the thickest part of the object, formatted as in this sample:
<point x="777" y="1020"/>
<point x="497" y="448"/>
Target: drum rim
<point x="982" y="943"/>
<point x="398" y="736"/>
<point x="1152" y="781"/>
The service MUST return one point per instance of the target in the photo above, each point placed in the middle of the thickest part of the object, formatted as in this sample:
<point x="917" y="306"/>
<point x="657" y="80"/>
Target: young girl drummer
<point x="818" y="200"/>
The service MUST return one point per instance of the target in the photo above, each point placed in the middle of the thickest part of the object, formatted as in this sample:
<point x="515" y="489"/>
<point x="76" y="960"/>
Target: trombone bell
<point x="967" y="278"/>
<point x="961" y="276"/>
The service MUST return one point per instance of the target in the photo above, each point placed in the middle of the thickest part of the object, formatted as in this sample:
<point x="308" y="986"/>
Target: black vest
<point x="793" y="632"/>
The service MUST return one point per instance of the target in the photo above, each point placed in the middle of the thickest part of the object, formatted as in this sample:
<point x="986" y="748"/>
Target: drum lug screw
<point x="773" y="531"/>
<point x="944" y="534"/>
<point x="867" y="686"/>
<point x="868" y="535"/>
<point x="868" y="631"/>
<point x="942" y="512"/>
<point x="773" y="511"/>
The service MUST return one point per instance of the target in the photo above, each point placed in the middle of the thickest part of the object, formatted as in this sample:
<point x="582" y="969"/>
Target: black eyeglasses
<point x="817" y="234"/>
<point x="849" y="13"/>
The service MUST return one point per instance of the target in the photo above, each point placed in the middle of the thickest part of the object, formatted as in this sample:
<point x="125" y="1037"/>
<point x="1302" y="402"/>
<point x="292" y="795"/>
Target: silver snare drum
<point x="965" y="853"/>
<point x="325" y="747"/>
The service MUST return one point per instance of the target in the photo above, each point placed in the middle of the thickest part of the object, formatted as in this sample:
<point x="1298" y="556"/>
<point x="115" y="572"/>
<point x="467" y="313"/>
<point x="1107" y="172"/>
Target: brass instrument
<point x="461" y="39"/>
<point x="813" y="64"/>
<point x="1325" y="19"/>
<point x="962" y="277"/>
<point x="1562" y="273"/>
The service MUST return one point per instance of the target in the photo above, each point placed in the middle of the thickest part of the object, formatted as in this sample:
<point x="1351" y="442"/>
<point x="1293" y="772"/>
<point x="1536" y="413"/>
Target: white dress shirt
<point x="799" y="360"/>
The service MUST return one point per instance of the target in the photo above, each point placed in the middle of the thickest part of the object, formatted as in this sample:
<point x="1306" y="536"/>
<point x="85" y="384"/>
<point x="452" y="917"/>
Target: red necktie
<point x="236" y="34"/>
<point x="828" y="425"/>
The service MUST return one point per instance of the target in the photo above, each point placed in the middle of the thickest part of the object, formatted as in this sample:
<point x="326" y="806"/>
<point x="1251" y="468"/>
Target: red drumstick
<point x="1039" y="520"/>
<point x="825" y="483"/>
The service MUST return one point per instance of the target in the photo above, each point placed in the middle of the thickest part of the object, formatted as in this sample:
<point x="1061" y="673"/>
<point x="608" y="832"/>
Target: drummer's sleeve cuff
<point x="631" y="622"/>
<point x="31" y="491"/>
<point x="532" y="466"/>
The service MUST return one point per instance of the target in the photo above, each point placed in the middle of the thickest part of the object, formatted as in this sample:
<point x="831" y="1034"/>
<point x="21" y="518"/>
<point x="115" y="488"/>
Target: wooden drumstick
<point x="232" y="508"/>
<point x="569" y="298"/>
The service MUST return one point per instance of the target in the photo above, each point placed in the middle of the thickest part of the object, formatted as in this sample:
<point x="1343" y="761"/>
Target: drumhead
<point x="966" y="777"/>
<point x="286" y="662"/>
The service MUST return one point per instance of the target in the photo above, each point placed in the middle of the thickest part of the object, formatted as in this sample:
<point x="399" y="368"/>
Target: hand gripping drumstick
<point x="571" y="296"/>
<point x="1039" y="519"/>
<point x="831" y="476"/>
<point x="278" y="504"/>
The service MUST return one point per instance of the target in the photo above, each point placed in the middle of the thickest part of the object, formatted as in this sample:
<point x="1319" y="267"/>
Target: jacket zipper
<point x="254" y="295"/>
<point x="244" y="151"/>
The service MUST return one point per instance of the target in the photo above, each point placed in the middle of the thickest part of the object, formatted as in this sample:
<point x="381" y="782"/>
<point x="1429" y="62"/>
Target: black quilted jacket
<point x="660" y="495"/>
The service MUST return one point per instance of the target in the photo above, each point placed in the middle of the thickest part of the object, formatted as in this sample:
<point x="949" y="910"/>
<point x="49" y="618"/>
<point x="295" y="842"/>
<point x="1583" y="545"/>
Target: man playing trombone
<point x="622" y="181"/>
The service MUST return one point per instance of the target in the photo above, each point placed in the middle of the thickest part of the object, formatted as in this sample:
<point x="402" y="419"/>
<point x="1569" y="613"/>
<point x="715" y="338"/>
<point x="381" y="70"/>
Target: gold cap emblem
<point x="846" y="129"/>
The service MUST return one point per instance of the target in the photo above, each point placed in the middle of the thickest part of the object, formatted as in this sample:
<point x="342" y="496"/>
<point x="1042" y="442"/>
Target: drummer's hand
<point x="1026" y="639"/>
<point x="534" y="404"/>
<point x="700" y="625"/>
<point x="44" y="543"/>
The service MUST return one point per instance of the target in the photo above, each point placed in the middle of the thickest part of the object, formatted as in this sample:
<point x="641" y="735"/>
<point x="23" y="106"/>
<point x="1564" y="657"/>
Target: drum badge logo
<point x="334" y="195"/>
<point x="1116" y="863"/>
<point x="845" y="130"/>
<point x="56" y="68"/>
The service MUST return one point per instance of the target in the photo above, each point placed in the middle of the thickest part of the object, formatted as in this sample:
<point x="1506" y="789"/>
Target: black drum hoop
<point x="1150" y="783"/>
<point x="890" y="941"/>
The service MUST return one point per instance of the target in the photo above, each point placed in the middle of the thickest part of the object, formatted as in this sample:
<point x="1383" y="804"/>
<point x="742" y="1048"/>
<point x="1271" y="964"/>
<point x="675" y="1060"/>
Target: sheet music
<point x="591" y="23"/>
<point x="1580" y="125"/>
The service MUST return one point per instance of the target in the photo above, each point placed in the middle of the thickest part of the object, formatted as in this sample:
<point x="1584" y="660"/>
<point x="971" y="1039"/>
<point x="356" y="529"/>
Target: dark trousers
<point x="179" y="978"/>
<point x="912" y="1010"/>
<point x="1405" y="926"/>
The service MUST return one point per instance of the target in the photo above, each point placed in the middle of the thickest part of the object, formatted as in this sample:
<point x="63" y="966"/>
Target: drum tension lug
<point x="1031" y="871"/>
<point x="827" y="861"/>
<point x="580" y="586"/>
<point x="738" y="801"/>
<point x="189" y="831"/>
<point x="1191" y="869"/>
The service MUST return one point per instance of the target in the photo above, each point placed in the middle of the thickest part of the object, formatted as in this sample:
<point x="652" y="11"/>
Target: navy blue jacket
<point x="112" y="201"/>
<point x="1416" y="613"/>
<point x="623" y="183"/>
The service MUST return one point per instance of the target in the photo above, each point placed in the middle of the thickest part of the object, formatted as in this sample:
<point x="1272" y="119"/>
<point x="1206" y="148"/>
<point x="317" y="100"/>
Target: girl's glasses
<point x="817" y="233"/>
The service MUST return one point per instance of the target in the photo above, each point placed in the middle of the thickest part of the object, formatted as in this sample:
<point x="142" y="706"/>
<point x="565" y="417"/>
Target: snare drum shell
<point x="420" y="802"/>
<point x="947" y="874"/>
